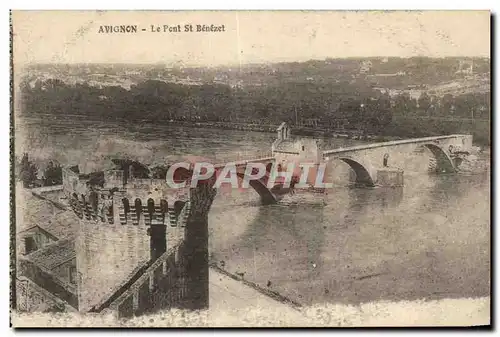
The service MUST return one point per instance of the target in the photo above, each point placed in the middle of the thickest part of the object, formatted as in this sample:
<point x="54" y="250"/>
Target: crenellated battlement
<point x="110" y="207"/>
<point x="116" y="196"/>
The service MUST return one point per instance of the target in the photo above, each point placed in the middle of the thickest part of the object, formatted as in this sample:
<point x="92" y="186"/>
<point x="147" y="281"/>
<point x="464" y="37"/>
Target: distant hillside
<point x="389" y="72"/>
<point x="359" y="94"/>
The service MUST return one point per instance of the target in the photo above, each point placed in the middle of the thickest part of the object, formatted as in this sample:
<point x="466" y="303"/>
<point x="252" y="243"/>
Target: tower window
<point x="302" y="147"/>
<point x="29" y="244"/>
<point x="72" y="275"/>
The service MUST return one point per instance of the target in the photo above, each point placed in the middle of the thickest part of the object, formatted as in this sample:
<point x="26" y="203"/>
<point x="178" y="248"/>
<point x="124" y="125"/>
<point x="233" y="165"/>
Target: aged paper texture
<point x="250" y="168"/>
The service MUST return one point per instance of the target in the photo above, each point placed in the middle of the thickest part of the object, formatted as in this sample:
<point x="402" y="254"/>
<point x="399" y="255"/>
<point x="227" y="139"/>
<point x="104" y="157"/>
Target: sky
<point x="249" y="37"/>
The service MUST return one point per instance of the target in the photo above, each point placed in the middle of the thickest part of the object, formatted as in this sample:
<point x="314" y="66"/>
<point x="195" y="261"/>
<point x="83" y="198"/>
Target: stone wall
<point x="63" y="271"/>
<point x="196" y="245"/>
<point x="49" y="282"/>
<point x="106" y="254"/>
<point x="32" y="298"/>
<point x="162" y="285"/>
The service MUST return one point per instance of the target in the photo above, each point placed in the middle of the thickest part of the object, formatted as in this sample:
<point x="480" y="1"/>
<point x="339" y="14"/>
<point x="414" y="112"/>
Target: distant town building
<point x="309" y="122"/>
<point x="465" y="67"/>
<point x="365" y="67"/>
<point x="399" y="73"/>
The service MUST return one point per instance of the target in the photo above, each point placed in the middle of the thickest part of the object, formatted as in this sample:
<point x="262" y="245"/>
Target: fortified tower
<point x="126" y="221"/>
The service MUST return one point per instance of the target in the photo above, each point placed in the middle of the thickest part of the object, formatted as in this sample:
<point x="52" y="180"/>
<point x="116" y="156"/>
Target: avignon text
<point x="118" y="29"/>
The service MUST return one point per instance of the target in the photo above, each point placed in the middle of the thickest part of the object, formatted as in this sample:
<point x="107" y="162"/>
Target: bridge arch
<point x="363" y="176"/>
<point x="444" y="163"/>
<point x="260" y="186"/>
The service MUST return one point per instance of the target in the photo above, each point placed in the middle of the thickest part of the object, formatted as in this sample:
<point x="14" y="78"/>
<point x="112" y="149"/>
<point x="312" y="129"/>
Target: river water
<point x="428" y="240"/>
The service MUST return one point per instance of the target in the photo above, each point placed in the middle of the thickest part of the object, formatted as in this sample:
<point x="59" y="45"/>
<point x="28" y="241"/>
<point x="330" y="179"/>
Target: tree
<point x="52" y="175"/>
<point x="27" y="171"/>
<point x="377" y="114"/>
<point x="402" y="104"/>
<point x="95" y="179"/>
<point x="424" y="103"/>
<point x="465" y="105"/>
<point x="159" y="172"/>
<point x="434" y="106"/>
<point x="447" y="105"/>
<point x="352" y="111"/>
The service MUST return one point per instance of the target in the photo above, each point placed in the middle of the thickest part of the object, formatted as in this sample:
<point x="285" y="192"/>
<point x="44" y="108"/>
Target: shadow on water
<point x="429" y="242"/>
<point x="278" y="247"/>
<point x="383" y="197"/>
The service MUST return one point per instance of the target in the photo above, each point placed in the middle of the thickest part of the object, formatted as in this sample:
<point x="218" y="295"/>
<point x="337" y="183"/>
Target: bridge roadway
<point x="268" y="159"/>
<point x="389" y="144"/>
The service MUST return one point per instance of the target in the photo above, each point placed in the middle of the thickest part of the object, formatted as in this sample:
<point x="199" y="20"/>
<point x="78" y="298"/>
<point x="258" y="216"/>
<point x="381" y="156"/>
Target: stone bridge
<point x="124" y="215"/>
<point x="368" y="160"/>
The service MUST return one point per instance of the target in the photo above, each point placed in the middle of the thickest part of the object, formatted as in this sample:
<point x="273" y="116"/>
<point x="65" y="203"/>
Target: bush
<point x="27" y="172"/>
<point x="52" y="175"/>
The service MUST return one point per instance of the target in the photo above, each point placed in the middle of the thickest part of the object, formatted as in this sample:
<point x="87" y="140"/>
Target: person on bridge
<point x="386" y="160"/>
<point x="292" y="185"/>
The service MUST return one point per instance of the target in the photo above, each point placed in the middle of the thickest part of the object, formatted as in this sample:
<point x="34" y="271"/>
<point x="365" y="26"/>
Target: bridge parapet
<point x="243" y="162"/>
<point x="464" y="140"/>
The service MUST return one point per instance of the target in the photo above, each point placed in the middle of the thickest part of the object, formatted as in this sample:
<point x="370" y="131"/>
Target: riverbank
<point x="400" y="128"/>
<point x="317" y="132"/>
<point x="416" y="127"/>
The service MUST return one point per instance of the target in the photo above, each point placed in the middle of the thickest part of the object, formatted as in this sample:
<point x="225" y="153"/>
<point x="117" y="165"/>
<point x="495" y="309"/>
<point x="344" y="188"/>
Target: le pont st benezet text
<point x="188" y="28"/>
